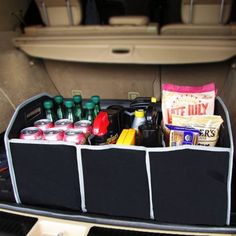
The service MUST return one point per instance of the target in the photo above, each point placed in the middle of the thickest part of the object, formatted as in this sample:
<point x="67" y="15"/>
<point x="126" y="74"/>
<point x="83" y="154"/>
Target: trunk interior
<point x="24" y="74"/>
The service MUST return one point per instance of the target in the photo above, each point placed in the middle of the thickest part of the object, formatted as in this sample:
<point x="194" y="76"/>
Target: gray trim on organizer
<point x="81" y="178"/>
<point x="11" y="170"/>
<point x="45" y="142"/>
<point x="157" y="149"/>
<point x="148" y="169"/>
<point x="135" y="148"/>
<point x="7" y="145"/>
<point x="231" y="157"/>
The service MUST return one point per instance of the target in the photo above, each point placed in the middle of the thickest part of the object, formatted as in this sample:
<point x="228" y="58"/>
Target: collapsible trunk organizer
<point x="187" y="184"/>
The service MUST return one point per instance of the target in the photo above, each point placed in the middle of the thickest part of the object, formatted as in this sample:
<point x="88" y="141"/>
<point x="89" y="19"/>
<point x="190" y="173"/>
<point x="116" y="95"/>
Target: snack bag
<point x="209" y="127"/>
<point x="182" y="136"/>
<point x="187" y="100"/>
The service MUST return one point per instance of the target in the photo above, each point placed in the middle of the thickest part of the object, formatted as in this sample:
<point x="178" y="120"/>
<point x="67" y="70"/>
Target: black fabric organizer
<point x="183" y="185"/>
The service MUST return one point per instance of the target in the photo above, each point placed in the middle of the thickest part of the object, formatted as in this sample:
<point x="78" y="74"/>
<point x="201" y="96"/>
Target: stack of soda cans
<point x="65" y="120"/>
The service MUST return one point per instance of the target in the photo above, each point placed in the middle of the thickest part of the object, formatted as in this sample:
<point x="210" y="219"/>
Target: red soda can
<point x="84" y="126"/>
<point x="31" y="133"/>
<point x="53" y="134"/>
<point x="74" y="136"/>
<point x="43" y="124"/>
<point x="64" y="124"/>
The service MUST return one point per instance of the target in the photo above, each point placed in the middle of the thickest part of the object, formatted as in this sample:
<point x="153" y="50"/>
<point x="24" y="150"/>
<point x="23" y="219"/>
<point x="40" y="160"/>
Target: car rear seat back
<point x="64" y="17"/>
<point x="60" y="12"/>
<point x="202" y="17"/>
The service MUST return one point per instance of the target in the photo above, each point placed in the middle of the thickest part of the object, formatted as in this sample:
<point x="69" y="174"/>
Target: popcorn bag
<point x="187" y="100"/>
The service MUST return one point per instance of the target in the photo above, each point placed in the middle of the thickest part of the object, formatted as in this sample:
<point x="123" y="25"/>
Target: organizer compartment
<point x="190" y="186"/>
<point x="47" y="175"/>
<point x="116" y="183"/>
<point x="44" y="174"/>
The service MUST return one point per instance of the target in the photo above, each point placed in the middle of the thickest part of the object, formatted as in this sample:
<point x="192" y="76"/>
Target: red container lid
<point x="101" y="124"/>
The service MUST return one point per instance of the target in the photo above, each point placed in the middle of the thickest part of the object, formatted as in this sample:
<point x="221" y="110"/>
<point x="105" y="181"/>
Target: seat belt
<point x="69" y="12"/>
<point x="190" y="19"/>
<point x="45" y="12"/>
<point x="221" y="12"/>
<point x="92" y="15"/>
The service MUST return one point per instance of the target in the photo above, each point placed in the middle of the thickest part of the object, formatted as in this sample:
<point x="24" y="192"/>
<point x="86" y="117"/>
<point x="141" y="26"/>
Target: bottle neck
<point x="69" y="114"/>
<point x="50" y="115"/>
<point x="59" y="111"/>
<point x="97" y="109"/>
<point x="90" y="115"/>
<point x="78" y="111"/>
<point x="78" y="105"/>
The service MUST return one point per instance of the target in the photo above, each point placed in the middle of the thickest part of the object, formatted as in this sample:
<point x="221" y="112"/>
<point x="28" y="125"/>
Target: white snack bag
<point x="209" y="127"/>
<point x="187" y="100"/>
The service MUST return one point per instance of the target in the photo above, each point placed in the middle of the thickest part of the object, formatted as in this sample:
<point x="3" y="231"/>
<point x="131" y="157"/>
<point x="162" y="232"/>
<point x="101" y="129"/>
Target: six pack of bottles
<point x="65" y="120"/>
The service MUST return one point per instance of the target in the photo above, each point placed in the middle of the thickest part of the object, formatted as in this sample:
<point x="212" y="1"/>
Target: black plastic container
<point x="150" y="136"/>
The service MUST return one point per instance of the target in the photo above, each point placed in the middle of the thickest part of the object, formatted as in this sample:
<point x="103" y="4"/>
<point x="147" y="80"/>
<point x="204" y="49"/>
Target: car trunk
<point x="124" y="81"/>
<point x="30" y="76"/>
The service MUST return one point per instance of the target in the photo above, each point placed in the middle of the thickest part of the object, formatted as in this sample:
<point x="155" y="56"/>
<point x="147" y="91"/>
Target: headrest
<point x="129" y="20"/>
<point x="60" y="12"/>
<point x="206" y="11"/>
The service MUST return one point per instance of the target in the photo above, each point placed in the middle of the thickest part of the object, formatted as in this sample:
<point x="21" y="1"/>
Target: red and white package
<point x="187" y="100"/>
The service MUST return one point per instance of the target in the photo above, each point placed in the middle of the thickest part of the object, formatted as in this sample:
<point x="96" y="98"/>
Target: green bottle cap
<point x="69" y="103"/>
<point x="77" y="99"/>
<point x="95" y="99"/>
<point x="48" y="104"/>
<point x="58" y="99"/>
<point x="89" y="105"/>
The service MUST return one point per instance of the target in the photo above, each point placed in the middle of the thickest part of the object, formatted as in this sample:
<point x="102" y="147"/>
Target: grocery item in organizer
<point x="182" y="136"/>
<point x="43" y="124"/>
<point x="139" y="119"/>
<point x="78" y="109"/>
<point x="127" y="137"/>
<point x="31" y="133"/>
<point x="50" y="114"/>
<point x="187" y="100"/>
<point x="64" y="124"/>
<point x="96" y="100"/>
<point x="74" y="136"/>
<point x="209" y="127"/>
<point x="89" y="111"/>
<point x="69" y="114"/>
<point x="59" y="106"/>
<point x="53" y="134"/>
<point x="84" y="126"/>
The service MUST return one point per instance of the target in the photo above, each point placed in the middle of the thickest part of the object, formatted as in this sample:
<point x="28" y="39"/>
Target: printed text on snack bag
<point x="189" y="110"/>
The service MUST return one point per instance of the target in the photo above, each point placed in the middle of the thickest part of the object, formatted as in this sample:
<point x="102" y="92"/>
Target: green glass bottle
<point x="78" y="110"/>
<point x="69" y="114"/>
<point x="89" y="106"/>
<point x="48" y="106"/>
<point x="59" y="108"/>
<point x="96" y="100"/>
